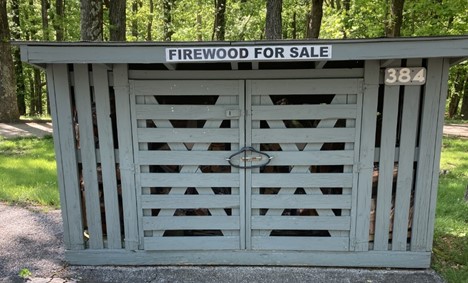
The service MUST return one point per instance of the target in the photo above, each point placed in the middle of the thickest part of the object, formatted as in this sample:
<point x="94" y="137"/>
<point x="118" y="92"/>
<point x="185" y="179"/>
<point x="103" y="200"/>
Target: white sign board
<point x="249" y="53"/>
<point x="405" y="76"/>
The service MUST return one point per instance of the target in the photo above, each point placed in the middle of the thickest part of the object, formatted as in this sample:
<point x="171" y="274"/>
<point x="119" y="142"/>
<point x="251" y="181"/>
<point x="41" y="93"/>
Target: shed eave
<point x="154" y="52"/>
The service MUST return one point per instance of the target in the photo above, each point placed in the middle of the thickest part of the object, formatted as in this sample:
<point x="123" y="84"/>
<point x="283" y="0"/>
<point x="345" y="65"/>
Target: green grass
<point x="451" y="227"/>
<point x="43" y="118"/>
<point x="28" y="172"/>
<point x="455" y="121"/>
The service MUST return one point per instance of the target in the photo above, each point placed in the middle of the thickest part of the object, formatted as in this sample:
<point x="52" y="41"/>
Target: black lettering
<point x="268" y="52"/>
<point x="312" y="52"/>
<point x="232" y="53"/>
<point x="244" y="53"/>
<point x="187" y="54"/>
<point x="209" y="53"/>
<point x="221" y="53"/>
<point x="324" y="52"/>
<point x="294" y="52"/>
<point x="279" y="52"/>
<point x="172" y="53"/>
<point x="304" y="53"/>
<point x="197" y="54"/>
<point x="258" y="51"/>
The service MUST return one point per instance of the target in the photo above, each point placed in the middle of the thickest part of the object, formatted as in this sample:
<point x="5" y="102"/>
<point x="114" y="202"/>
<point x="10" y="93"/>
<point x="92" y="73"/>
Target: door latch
<point x="250" y="158"/>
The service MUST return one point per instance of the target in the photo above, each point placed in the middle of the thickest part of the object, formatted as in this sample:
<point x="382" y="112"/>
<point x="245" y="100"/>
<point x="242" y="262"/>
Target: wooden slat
<point x="308" y="158"/>
<point x="107" y="160"/>
<point x="88" y="156"/>
<point x="325" y="180"/>
<point x="189" y="180"/>
<point x="185" y="112"/>
<point x="189" y="201"/>
<point x="192" y="243"/>
<point x="127" y="170"/>
<point x="301" y="222"/>
<point x="427" y="143"/>
<point x="409" y="124"/>
<point x="188" y="135"/>
<point x="303" y="135"/>
<point x="301" y="243"/>
<point x="312" y="86"/>
<point x="386" y="167"/>
<point x="191" y="222"/>
<point x="186" y="87"/>
<point x="247" y="74"/>
<point x="360" y="241"/>
<point x="166" y="157"/>
<point x="303" y="112"/>
<point x="57" y="85"/>
<point x="301" y="201"/>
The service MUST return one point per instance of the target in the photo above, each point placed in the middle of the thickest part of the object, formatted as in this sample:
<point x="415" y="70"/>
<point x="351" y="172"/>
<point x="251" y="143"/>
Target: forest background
<point x="23" y="88"/>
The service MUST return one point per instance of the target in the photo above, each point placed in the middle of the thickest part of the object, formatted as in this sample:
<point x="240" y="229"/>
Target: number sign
<point x="405" y="76"/>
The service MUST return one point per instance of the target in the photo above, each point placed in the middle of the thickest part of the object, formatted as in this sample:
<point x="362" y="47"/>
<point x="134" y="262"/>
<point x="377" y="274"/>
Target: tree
<point x="395" y="22"/>
<point x="59" y="19"/>
<point x="167" y="13"/>
<point x="315" y="19"/>
<point x="20" y="81"/>
<point x="219" y="28"/>
<point x="117" y="20"/>
<point x="8" y="106"/>
<point x="149" y="27"/>
<point x="91" y="20"/>
<point x="273" y="22"/>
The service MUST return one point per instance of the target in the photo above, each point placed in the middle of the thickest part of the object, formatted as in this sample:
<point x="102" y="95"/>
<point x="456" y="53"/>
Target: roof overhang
<point x="41" y="53"/>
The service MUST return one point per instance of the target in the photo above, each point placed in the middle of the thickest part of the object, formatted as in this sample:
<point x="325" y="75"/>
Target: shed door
<point x="191" y="198"/>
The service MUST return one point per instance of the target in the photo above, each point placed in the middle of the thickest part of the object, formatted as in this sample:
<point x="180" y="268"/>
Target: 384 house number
<point x="405" y="76"/>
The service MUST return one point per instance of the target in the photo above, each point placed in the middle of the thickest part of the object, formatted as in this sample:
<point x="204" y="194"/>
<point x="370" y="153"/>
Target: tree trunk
<point x="167" y="12"/>
<point x="135" y="7"/>
<point x="8" y="106"/>
<point x="396" y="18"/>
<point x="346" y="18"/>
<point x="91" y="20"/>
<point x="464" y="106"/>
<point x="219" y="28"/>
<point x="315" y="19"/>
<point x="273" y="22"/>
<point x="38" y="92"/>
<point x="149" y="27"/>
<point x="117" y="20"/>
<point x="294" y="26"/>
<point x="20" y="88"/>
<point x="453" y="105"/>
<point x="45" y="20"/>
<point x="59" y="20"/>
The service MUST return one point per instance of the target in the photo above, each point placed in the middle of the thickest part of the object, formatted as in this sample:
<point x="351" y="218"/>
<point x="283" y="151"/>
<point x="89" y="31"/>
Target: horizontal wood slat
<point x="191" y="222"/>
<point x="303" y="135"/>
<point x="328" y="180"/>
<point x="301" y="201"/>
<point x="312" y="86"/>
<point x="189" y="201"/>
<point x="304" y="112"/>
<point x="326" y="157"/>
<point x="301" y="222"/>
<point x="166" y="157"/>
<point x="192" y="243"/>
<point x="187" y="135"/>
<point x="184" y="112"/>
<point x="189" y="180"/>
<point x="186" y="87"/>
<point x="301" y="243"/>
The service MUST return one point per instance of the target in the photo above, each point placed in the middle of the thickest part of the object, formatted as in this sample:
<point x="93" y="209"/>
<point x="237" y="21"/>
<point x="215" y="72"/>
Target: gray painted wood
<point x="192" y="243"/>
<point x="166" y="157"/>
<point x="69" y="164"/>
<point x="54" y="112"/>
<point x="290" y="258"/>
<point x="324" y="180"/>
<point x="397" y="154"/>
<point x="303" y="112"/>
<point x="438" y="146"/>
<point x="409" y="124"/>
<point x="178" y="135"/>
<point x="386" y="167"/>
<point x="307" y="158"/>
<point x="427" y="143"/>
<point x="301" y="201"/>
<point x="88" y="156"/>
<point x="189" y="180"/>
<point x="127" y="170"/>
<point x="107" y="156"/>
<point x="301" y="222"/>
<point x="301" y="136"/>
<point x="301" y="243"/>
<point x="360" y="241"/>
<point x="189" y="201"/>
<point x="184" y="112"/>
<point x="191" y="222"/>
<point x="313" y="86"/>
<point x="184" y="87"/>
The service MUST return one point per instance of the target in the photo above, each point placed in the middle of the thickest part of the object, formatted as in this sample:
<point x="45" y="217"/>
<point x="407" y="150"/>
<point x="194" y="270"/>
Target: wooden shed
<point x="315" y="153"/>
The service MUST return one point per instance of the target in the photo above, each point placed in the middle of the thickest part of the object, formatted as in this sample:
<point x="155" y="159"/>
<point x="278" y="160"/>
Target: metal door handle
<point x="249" y="158"/>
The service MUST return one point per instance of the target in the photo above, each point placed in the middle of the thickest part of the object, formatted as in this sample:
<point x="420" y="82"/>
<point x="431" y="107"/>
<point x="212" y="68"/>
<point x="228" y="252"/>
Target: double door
<point x="246" y="164"/>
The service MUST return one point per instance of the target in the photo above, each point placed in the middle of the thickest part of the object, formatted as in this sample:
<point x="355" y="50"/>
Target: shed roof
<point x="455" y="47"/>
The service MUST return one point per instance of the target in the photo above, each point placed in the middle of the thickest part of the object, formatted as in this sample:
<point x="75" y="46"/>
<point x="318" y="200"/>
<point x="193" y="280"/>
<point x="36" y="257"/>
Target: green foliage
<point x="24" y="273"/>
<point x="28" y="171"/>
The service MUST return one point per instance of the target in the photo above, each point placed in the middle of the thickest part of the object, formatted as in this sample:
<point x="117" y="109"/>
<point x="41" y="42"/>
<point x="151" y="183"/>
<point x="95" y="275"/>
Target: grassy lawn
<point x="28" y="172"/>
<point x="28" y="175"/>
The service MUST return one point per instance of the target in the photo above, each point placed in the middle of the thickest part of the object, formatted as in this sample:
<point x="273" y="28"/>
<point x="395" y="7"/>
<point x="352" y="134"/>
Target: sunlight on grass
<point x="28" y="172"/>
<point x="451" y="227"/>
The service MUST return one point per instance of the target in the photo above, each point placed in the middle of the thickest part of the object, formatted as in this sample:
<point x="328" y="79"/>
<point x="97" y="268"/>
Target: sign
<point x="405" y="76"/>
<point x="249" y="53"/>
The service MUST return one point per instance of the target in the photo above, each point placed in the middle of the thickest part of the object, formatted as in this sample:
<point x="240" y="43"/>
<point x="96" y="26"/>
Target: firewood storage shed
<point x="321" y="153"/>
